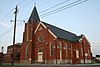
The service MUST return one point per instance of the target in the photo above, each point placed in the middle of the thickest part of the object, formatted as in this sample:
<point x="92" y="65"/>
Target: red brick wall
<point x="34" y="45"/>
<point x="45" y="44"/>
<point x="79" y="46"/>
<point x="87" y="48"/>
<point x="31" y="27"/>
<point x="7" y="58"/>
<point x="1" y="57"/>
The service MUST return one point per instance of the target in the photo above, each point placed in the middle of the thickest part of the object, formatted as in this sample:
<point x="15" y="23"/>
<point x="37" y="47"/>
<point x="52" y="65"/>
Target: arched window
<point x="82" y="51"/>
<point x="66" y="49"/>
<point x="40" y="50"/>
<point x="51" y="48"/>
<point x="88" y="52"/>
<point x="26" y="54"/>
<point x="59" y="45"/>
<point x="40" y="55"/>
<point x="77" y="53"/>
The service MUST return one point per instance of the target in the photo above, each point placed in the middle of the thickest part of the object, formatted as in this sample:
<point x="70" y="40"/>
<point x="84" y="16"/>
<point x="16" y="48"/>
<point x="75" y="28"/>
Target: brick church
<point x="48" y="44"/>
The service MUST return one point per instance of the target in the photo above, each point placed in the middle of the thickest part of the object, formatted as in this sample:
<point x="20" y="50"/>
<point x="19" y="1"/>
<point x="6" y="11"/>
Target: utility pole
<point x="16" y="10"/>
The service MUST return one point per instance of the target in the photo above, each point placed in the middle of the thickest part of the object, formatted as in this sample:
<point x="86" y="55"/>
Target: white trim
<point x="39" y="26"/>
<point x="40" y="56"/>
<point x="60" y="55"/>
<point x="43" y="25"/>
<point x="80" y="40"/>
<point x="52" y="33"/>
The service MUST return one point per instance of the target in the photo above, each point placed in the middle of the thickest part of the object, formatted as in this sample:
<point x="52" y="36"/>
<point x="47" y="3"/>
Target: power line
<point x="6" y="16"/>
<point x="63" y="8"/>
<point x="44" y="3"/>
<point x="3" y="22"/>
<point x="58" y="9"/>
<point x="26" y="4"/>
<point x="23" y="1"/>
<point x="55" y="6"/>
<point x="29" y="3"/>
<point x="6" y="29"/>
<point x="6" y="32"/>
<point x="6" y="26"/>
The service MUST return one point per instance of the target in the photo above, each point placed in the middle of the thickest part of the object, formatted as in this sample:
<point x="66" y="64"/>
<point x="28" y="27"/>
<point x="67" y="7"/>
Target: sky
<point x="83" y="18"/>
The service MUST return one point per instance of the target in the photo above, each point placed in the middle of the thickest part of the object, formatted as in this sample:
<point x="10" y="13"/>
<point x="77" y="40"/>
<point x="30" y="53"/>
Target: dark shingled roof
<point x="34" y="16"/>
<point x="60" y="33"/>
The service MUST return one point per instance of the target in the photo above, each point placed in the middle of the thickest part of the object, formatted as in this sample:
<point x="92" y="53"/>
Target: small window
<point x="40" y="38"/>
<point x="51" y="49"/>
<point x="26" y="51"/>
<point x="82" y="51"/>
<point x="88" y="52"/>
<point x="59" y="45"/>
<point x="66" y="46"/>
<point x="77" y="53"/>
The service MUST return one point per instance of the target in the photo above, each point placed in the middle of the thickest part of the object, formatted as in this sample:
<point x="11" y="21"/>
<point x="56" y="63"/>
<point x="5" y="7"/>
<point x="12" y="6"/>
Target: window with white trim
<point x="66" y="49"/>
<point x="82" y="51"/>
<point x="77" y="53"/>
<point x="88" y="52"/>
<point x="26" y="54"/>
<point x="51" y="49"/>
<point x="40" y="55"/>
<point x="60" y="45"/>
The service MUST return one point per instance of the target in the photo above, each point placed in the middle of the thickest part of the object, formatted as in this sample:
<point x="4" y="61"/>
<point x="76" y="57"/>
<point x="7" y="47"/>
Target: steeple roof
<point x="34" y="16"/>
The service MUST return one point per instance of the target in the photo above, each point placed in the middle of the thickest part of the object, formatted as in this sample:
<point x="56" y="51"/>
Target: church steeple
<point x="34" y="16"/>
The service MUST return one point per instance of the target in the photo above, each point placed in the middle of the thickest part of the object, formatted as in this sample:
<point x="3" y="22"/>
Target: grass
<point x="13" y="66"/>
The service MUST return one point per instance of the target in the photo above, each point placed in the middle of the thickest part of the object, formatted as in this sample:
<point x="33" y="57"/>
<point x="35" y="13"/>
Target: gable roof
<point x="34" y="15"/>
<point x="60" y="33"/>
<point x="63" y="34"/>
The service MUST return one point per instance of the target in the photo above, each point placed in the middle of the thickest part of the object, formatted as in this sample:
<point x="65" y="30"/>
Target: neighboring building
<point x="1" y="57"/>
<point x="45" y="43"/>
<point x="8" y="56"/>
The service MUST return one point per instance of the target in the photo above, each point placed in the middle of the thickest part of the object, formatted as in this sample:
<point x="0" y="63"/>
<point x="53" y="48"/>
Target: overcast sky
<point x="83" y="18"/>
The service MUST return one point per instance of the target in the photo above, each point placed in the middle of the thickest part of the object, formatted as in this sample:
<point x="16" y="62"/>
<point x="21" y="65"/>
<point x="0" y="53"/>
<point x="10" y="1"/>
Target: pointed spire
<point x="35" y="4"/>
<point x="34" y="15"/>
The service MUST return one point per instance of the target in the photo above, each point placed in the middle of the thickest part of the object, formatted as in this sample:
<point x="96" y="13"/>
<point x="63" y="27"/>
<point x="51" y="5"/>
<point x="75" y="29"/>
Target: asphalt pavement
<point x="59" y="65"/>
<point x="64" y="65"/>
